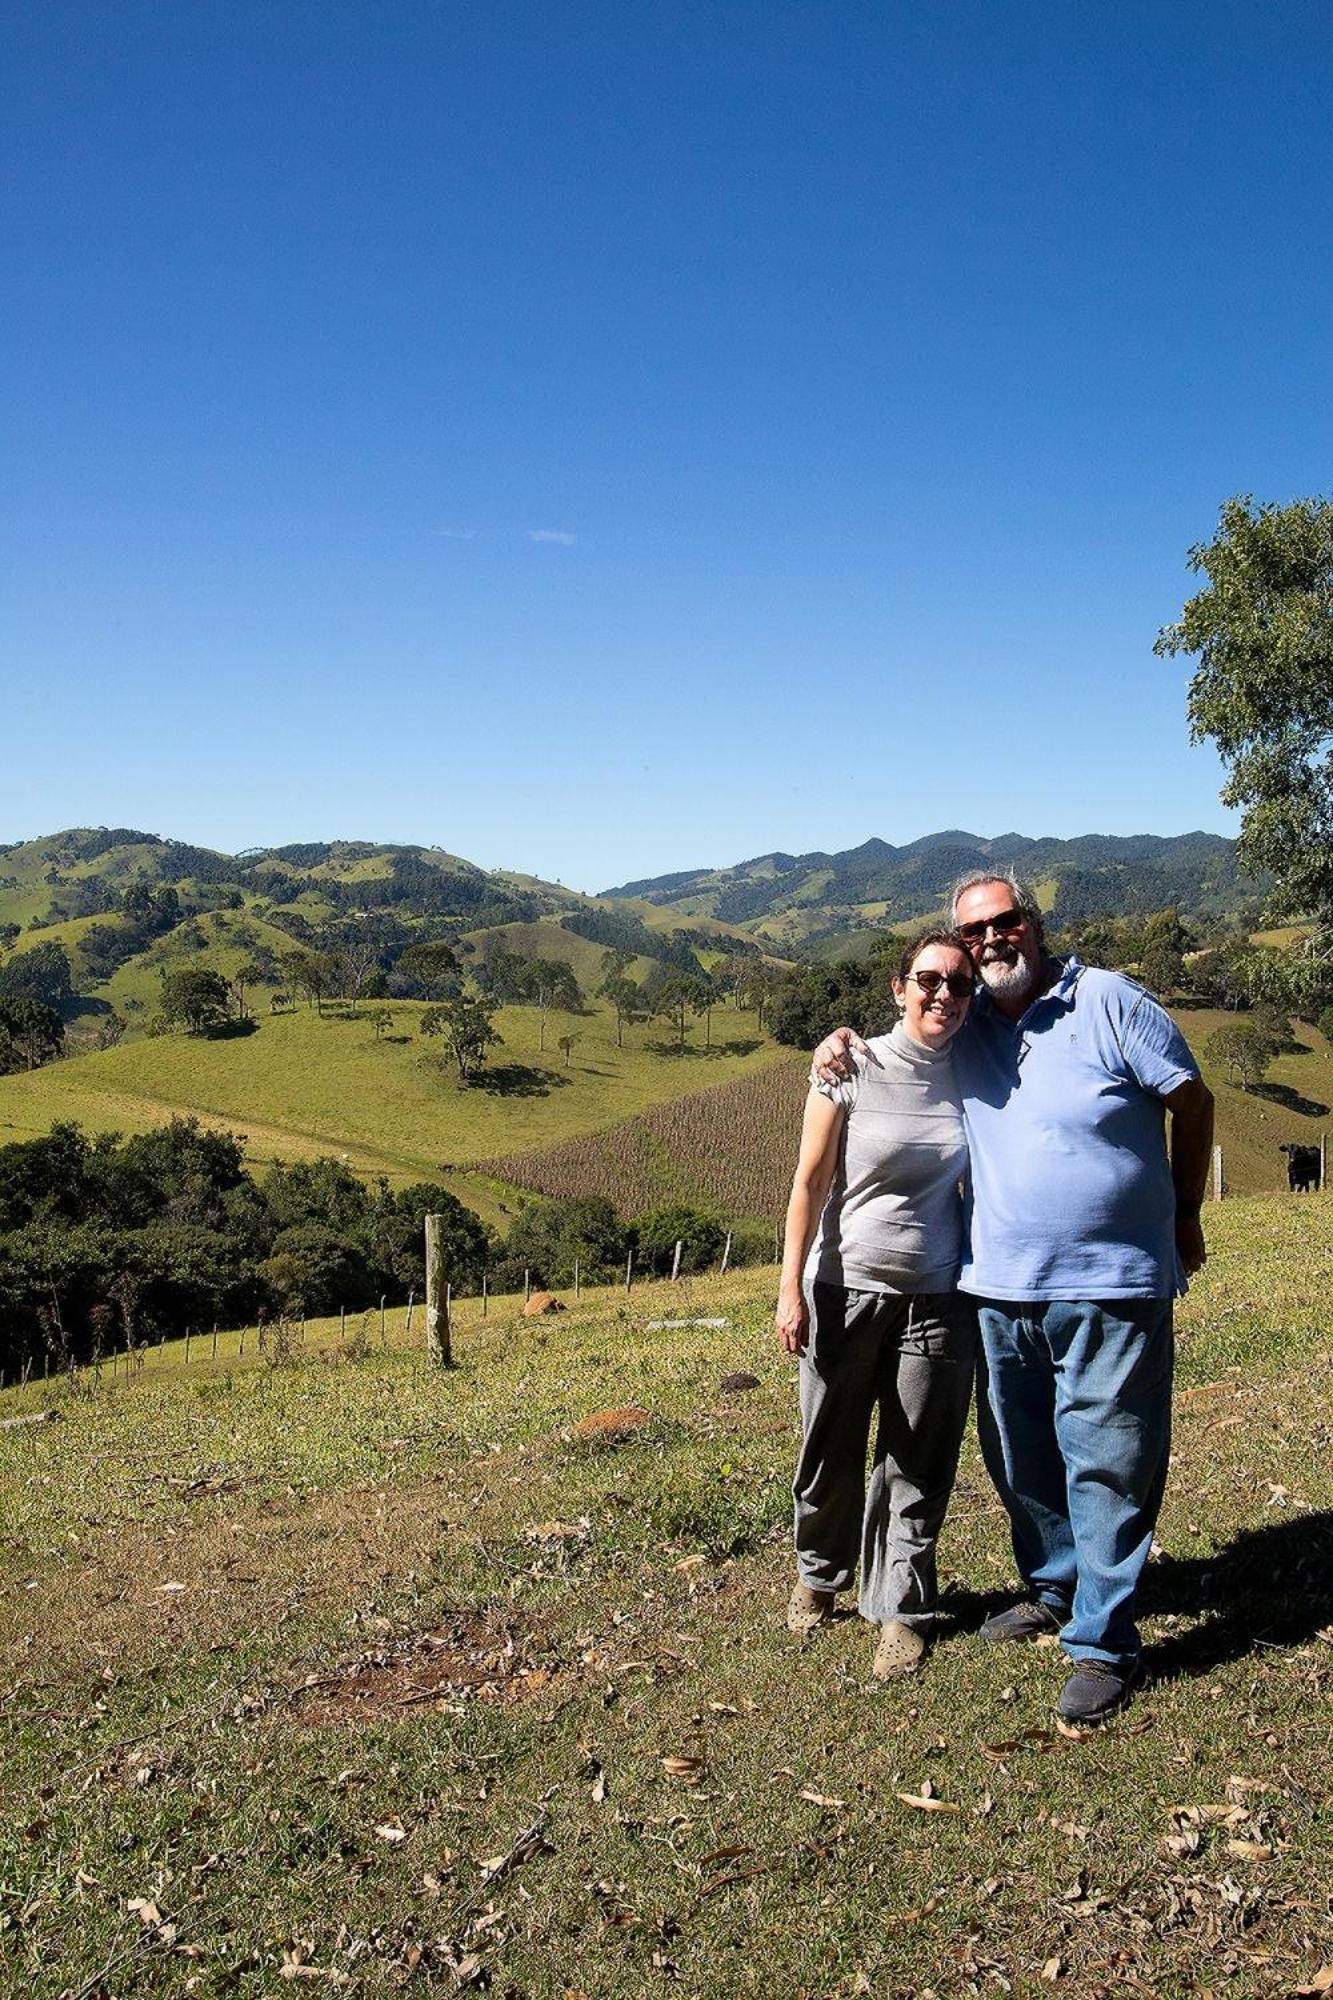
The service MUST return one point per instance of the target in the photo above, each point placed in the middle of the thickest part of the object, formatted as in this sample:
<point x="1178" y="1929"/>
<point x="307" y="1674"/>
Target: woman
<point x="874" y="1237"/>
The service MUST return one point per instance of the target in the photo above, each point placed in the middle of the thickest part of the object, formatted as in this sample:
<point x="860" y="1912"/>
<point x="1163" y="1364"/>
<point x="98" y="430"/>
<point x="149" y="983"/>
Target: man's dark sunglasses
<point x="1007" y="923"/>
<point x="930" y="983"/>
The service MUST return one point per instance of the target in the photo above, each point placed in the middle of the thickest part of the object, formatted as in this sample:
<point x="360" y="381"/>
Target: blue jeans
<point x="1076" y="1434"/>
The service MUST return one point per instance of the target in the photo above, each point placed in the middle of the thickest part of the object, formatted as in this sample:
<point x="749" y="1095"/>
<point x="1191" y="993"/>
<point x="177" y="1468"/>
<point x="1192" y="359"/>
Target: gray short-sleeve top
<point x="893" y="1221"/>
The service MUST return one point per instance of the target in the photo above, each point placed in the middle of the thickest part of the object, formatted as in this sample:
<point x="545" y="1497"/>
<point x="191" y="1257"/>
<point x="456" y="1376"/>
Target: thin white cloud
<point x="457" y="534"/>
<point x="560" y="535"/>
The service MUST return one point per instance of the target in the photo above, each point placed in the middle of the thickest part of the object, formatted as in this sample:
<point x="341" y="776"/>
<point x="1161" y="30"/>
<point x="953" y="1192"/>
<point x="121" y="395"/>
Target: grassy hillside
<point x="1295" y="1103"/>
<point x="301" y="1085"/>
<point x="333" y="1671"/>
<point x="737" y="1147"/>
<point x="734" y="1147"/>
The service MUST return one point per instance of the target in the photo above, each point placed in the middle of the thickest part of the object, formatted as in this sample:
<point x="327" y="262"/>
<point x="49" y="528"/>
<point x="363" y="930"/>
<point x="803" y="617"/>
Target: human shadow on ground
<point x="517" y="1080"/>
<point x="1290" y="1100"/>
<point x="1268" y="1586"/>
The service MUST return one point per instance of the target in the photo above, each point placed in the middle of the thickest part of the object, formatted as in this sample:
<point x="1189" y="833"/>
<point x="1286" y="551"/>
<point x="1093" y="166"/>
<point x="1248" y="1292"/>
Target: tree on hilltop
<point x="468" y="1026"/>
<point x="196" y="996"/>
<point x="686" y="993"/>
<point x="31" y="1033"/>
<point x="1243" y="1050"/>
<point x="40" y="974"/>
<point x="432" y="965"/>
<point x="551" y="983"/>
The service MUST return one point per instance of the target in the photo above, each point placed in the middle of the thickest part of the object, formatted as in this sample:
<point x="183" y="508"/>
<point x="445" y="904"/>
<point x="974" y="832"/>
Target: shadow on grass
<point x="1270" y="1586"/>
<point x="713" y="1053"/>
<point x="1290" y="1100"/>
<point x="231" y="1031"/>
<point x="517" y="1080"/>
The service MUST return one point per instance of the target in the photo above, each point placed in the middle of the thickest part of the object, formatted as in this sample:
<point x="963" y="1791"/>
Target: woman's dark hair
<point x="914" y="947"/>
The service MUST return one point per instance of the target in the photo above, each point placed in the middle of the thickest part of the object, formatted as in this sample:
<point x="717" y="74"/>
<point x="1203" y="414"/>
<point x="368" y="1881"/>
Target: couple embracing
<point x="987" y="1191"/>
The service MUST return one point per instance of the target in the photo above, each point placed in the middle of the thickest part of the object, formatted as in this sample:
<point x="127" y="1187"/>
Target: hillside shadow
<point x="517" y="1080"/>
<point x="232" y="1031"/>
<point x="77" y="1005"/>
<point x="1290" y="1100"/>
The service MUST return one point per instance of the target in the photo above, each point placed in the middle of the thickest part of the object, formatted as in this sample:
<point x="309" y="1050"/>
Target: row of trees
<point x="109" y="1241"/>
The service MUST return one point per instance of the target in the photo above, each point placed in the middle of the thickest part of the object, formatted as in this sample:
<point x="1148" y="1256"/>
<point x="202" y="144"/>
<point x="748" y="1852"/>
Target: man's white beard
<point x="1007" y="982"/>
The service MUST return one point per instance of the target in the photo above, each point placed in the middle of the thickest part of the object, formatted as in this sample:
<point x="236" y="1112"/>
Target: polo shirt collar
<point x="1062" y="989"/>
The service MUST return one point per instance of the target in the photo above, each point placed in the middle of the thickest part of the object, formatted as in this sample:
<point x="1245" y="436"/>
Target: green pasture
<point x="545" y="937"/>
<point x="1293" y="1105"/>
<point x="322" y="1667"/>
<point x="302" y="1085"/>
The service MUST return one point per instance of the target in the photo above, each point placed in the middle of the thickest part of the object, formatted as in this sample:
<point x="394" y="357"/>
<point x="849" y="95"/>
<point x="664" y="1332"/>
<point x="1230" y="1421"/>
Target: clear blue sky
<point x="604" y="439"/>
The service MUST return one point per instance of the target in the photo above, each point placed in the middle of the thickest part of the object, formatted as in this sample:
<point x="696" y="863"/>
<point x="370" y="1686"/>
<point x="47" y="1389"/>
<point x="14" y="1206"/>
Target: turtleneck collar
<point x="915" y="1051"/>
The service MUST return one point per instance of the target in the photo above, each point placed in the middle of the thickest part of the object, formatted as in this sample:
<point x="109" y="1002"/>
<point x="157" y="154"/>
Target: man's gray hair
<point x="1023" y="896"/>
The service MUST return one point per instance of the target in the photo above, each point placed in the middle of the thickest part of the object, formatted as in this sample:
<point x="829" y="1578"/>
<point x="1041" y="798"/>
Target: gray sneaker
<point x="1095" y="1691"/>
<point x="1031" y="1620"/>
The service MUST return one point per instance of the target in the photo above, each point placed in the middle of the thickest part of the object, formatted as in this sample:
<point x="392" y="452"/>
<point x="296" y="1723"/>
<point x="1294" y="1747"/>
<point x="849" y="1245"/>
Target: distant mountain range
<point x="123" y="904"/>
<point x="800" y="899"/>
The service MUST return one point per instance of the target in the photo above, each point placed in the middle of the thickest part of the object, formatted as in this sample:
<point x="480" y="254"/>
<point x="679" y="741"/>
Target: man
<point x="1081" y="1232"/>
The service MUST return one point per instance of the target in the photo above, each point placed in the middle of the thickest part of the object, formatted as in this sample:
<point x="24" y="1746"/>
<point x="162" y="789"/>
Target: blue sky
<point x="604" y="439"/>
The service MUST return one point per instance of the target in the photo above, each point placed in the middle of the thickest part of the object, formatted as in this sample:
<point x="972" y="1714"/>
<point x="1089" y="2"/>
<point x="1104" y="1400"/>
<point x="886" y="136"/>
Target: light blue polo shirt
<point x="1071" y="1192"/>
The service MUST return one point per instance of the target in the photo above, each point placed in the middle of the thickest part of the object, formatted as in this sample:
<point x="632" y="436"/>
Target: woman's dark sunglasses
<point x="1007" y="923"/>
<point x="958" y="983"/>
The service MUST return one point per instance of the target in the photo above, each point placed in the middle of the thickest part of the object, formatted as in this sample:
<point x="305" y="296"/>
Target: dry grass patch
<point x="477" y="1655"/>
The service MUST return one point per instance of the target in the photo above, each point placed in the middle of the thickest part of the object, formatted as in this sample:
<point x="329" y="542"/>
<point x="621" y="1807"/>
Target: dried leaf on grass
<point x="688" y="1769"/>
<point x="924" y="1803"/>
<point x="822" y="1799"/>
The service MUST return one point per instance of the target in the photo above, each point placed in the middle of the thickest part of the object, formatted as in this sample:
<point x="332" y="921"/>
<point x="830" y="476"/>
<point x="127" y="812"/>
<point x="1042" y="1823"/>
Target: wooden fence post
<point x="577" y="1288"/>
<point x="384" y="1332"/>
<point x="527" y="1286"/>
<point x="726" y="1254"/>
<point x="437" y="1297"/>
<point x="485" y="1292"/>
<point x="629" y="1270"/>
<point x="1219" y="1185"/>
<point x="410" y="1299"/>
<point x="675" y="1261"/>
<point x="1323" y="1161"/>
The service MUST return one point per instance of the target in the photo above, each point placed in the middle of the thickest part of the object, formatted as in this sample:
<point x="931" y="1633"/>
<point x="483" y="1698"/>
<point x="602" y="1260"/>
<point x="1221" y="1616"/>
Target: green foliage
<point x="43" y="973"/>
<point x="819" y="997"/>
<point x="430" y="969"/>
<point x="700" y="1232"/>
<point x="547" y="1238"/>
<point x="31" y="1033"/>
<point x="1243" y="1050"/>
<point x="112" y="1240"/>
<point x="195" y="997"/>
<point x="1263" y="690"/>
<point x="468" y="1026"/>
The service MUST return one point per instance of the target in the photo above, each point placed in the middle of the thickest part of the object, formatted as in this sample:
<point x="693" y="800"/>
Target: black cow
<point x="1302" y="1167"/>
